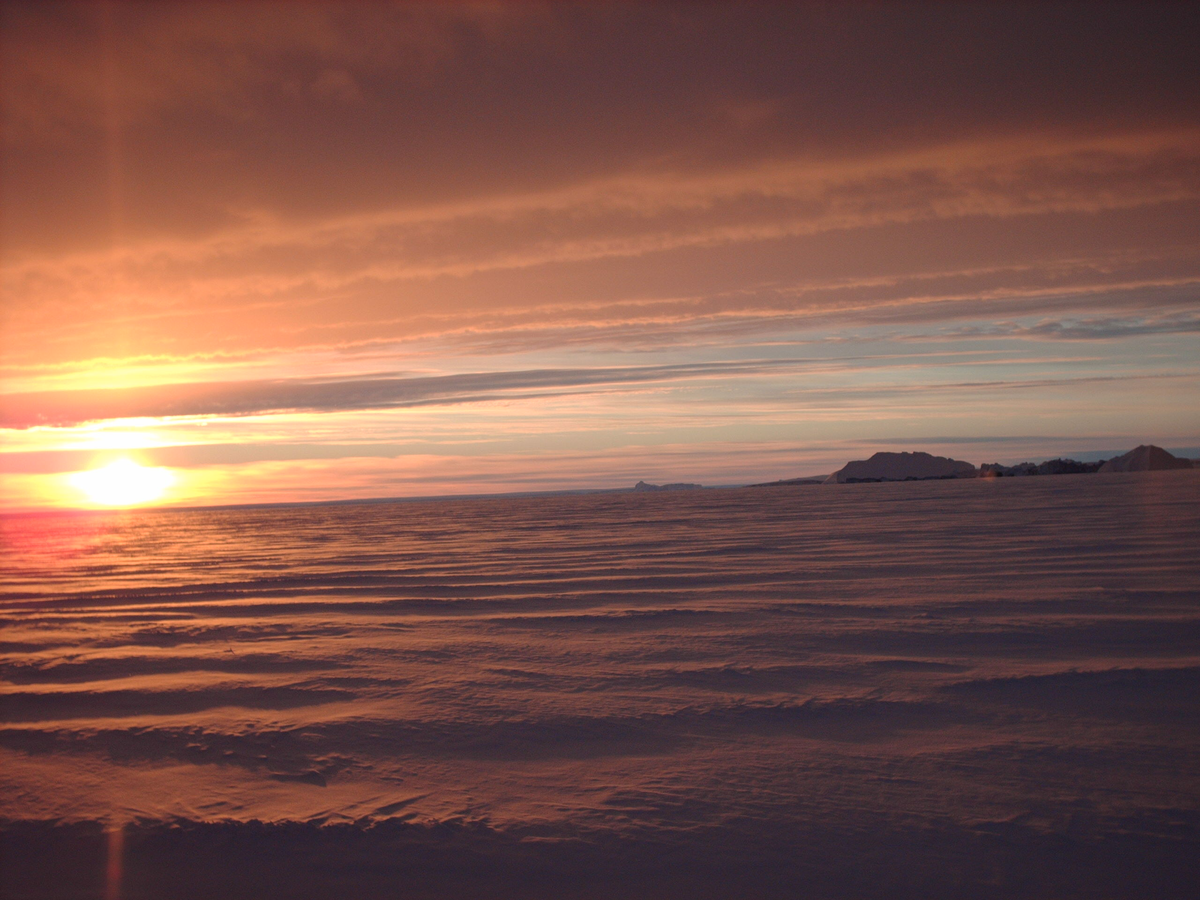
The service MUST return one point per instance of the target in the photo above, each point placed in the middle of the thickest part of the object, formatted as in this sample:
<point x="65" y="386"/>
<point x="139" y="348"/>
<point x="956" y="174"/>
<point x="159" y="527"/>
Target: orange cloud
<point x="306" y="213"/>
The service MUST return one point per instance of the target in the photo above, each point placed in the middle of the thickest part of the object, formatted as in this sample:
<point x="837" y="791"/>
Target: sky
<point x="290" y="252"/>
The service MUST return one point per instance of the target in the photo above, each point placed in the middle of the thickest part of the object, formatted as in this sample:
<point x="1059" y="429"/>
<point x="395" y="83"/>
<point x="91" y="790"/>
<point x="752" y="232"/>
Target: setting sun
<point x="123" y="483"/>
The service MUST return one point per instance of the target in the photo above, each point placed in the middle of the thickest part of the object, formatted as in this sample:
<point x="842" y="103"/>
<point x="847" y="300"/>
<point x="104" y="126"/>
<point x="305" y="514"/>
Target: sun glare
<point x="123" y="483"/>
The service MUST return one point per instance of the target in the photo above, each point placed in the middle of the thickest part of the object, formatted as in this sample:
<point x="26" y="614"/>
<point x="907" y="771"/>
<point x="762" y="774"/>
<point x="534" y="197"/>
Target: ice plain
<point x="974" y="688"/>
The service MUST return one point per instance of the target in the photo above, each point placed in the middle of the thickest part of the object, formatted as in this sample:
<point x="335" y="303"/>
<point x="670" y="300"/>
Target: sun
<point x="123" y="483"/>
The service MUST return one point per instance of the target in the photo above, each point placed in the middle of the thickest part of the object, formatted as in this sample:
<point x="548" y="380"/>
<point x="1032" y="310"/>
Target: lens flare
<point x="123" y="483"/>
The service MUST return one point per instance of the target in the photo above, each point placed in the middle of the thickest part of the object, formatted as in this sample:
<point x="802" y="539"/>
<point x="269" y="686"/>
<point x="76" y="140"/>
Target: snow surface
<point x="970" y="688"/>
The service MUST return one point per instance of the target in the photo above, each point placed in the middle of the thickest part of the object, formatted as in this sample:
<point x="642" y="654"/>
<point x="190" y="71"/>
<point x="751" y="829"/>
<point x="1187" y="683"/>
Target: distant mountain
<point x="1146" y="458"/>
<point x="643" y="486"/>
<point x="885" y="466"/>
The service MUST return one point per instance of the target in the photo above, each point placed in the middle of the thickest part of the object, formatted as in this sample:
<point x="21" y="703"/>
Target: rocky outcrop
<point x="1049" y="467"/>
<point x="995" y="470"/>
<point x="885" y="466"/>
<point x="643" y="486"/>
<point x="1146" y="458"/>
<point x="1068" y="467"/>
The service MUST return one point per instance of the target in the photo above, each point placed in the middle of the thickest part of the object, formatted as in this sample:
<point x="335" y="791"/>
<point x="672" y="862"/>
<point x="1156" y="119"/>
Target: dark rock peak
<point x="1145" y="458"/>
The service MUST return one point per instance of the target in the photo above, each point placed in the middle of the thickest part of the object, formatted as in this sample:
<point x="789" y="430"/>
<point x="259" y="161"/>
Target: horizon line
<point x="1182" y="452"/>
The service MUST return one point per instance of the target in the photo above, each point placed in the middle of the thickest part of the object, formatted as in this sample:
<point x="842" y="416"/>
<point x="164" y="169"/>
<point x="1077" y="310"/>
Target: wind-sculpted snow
<point x="976" y="688"/>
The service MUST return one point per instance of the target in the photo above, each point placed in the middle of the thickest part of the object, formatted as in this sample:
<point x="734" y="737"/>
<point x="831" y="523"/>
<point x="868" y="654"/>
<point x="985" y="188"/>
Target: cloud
<point x="594" y="265"/>
<point x="322" y="210"/>
<point x="220" y="118"/>
<point x="335" y="176"/>
<point x="1101" y="328"/>
<point x="64" y="408"/>
<point x="337" y="85"/>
